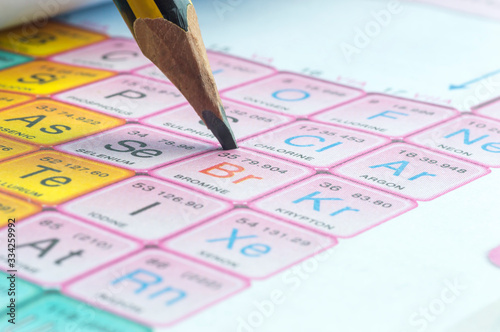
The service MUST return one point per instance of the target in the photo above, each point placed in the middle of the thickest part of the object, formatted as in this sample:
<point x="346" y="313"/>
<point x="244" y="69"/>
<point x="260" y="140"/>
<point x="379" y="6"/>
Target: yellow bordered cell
<point x="51" y="177"/>
<point x="48" y="40"/>
<point x="8" y="99"/>
<point x="47" y="122"/>
<point x="10" y="148"/>
<point x="16" y="209"/>
<point x="45" y="77"/>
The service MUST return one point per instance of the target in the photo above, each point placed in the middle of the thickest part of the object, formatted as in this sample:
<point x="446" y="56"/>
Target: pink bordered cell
<point x="490" y="109"/>
<point x="152" y="72"/>
<point x="54" y="248"/>
<point x="155" y="288"/>
<point x="125" y="96"/>
<point x="245" y="121"/>
<point x="237" y="176"/>
<point x="145" y="208"/>
<point x="494" y="256"/>
<point x="411" y="171"/>
<point x="386" y="115"/>
<point x="228" y="71"/>
<point x="293" y="94"/>
<point x="334" y="206"/>
<point x="136" y="147"/>
<point x="314" y="144"/>
<point x="250" y="244"/>
<point x="111" y="54"/>
<point x="468" y="137"/>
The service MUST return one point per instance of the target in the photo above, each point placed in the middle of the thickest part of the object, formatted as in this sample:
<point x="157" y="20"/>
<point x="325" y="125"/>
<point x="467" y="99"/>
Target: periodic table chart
<point x="129" y="218"/>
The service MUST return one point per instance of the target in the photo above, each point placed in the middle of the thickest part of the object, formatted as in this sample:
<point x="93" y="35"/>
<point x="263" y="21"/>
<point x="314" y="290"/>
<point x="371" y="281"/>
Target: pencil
<point x="168" y="34"/>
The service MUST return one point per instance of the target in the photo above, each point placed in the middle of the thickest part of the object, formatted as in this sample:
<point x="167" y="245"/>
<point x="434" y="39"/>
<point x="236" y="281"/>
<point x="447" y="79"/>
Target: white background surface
<point x="377" y="280"/>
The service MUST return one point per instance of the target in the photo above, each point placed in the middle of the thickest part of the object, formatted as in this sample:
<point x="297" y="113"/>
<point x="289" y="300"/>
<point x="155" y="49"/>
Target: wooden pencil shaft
<point x="168" y="33"/>
<point x="182" y="57"/>
<point x="174" y="11"/>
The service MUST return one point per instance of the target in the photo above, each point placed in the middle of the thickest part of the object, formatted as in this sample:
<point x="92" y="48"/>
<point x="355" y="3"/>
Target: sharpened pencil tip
<point x="221" y="129"/>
